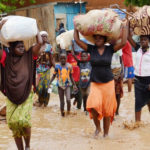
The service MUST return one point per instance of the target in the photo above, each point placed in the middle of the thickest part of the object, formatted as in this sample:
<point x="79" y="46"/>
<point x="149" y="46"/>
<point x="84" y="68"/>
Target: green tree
<point x="137" y="2"/>
<point x="9" y="5"/>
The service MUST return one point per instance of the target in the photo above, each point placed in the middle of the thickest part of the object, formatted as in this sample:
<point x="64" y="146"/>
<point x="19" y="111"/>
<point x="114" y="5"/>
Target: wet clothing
<point x="142" y="78"/>
<point x="42" y="88"/>
<point x="85" y="72"/>
<point x="102" y="100"/>
<point x="101" y="64"/>
<point x="19" y="116"/>
<point x="18" y="76"/>
<point x="43" y="74"/>
<point x="63" y="75"/>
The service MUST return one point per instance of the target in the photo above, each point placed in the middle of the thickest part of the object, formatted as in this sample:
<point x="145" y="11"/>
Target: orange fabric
<point x="102" y="98"/>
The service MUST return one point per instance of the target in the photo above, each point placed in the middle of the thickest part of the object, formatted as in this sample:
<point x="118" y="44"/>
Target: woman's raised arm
<point x="78" y="41"/>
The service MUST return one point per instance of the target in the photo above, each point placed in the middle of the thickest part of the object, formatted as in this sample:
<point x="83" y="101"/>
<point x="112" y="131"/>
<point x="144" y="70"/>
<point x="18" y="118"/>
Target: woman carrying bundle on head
<point x="101" y="102"/>
<point x="17" y="86"/>
<point x="44" y="62"/>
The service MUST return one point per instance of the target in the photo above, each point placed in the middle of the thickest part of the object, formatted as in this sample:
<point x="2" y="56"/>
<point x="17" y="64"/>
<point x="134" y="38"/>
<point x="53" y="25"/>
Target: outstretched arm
<point x="37" y="46"/>
<point x="124" y="36"/>
<point x="78" y="41"/>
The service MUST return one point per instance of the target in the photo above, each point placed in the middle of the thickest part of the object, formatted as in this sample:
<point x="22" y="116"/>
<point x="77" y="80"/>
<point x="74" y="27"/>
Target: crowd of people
<point x="94" y="76"/>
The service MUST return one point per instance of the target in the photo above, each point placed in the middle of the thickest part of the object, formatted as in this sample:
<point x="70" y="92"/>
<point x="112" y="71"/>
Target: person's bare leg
<point x="138" y="116"/>
<point x="67" y="94"/>
<point x="129" y="85"/>
<point x="106" y="125"/>
<point x="19" y="143"/>
<point x="62" y="103"/>
<point x="27" y="137"/>
<point x="96" y="121"/>
<point x="118" y="103"/>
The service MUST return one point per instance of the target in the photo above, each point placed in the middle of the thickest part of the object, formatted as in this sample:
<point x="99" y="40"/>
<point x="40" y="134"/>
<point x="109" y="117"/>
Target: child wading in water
<point x="63" y="71"/>
<point x="85" y="72"/>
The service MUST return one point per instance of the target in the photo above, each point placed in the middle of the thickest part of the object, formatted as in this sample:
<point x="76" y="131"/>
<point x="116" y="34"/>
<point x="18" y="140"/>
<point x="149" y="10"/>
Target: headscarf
<point x="43" y="33"/>
<point x="18" y="75"/>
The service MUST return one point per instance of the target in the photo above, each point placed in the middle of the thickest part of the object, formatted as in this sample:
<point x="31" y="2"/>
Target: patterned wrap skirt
<point x="19" y="116"/>
<point x="42" y="87"/>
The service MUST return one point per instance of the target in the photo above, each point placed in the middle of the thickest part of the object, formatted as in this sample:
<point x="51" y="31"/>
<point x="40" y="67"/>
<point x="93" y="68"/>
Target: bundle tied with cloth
<point x="103" y="22"/>
<point x="65" y="39"/>
<point x="140" y="21"/>
<point x="18" y="28"/>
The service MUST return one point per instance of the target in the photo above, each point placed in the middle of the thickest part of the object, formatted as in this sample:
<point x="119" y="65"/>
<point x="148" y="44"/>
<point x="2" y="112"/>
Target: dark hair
<point x="63" y="51"/>
<point x="105" y="37"/>
<point x="147" y="36"/>
<point x="14" y="44"/>
<point x="84" y="52"/>
<point x="61" y="25"/>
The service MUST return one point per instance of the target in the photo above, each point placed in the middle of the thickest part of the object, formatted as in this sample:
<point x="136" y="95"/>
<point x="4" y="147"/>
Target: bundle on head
<point x="99" y="22"/>
<point x="140" y="23"/>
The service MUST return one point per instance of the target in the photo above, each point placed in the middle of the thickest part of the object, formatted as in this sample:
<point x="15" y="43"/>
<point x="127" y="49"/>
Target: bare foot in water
<point x="63" y="114"/>
<point x="105" y="135"/>
<point x="74" y="102"/>
<point x="68" y="112"/>
<point x="97" y="131"/>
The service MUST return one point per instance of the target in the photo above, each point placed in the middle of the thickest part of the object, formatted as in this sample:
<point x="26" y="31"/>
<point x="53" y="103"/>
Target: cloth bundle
<point x="18" y="28"/>
<point x="140" y="23"/>
<point x="65" y="39"/>
<point x="103" y="22"/>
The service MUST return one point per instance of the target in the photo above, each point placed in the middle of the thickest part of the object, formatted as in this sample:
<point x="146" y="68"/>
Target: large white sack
<point x="65" y="39"/>
<point x="18" y="28"/>
<point x="103" y="22"/>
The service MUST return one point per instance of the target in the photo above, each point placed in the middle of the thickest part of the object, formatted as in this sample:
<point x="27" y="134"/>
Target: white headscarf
<point x="43" y="33"/>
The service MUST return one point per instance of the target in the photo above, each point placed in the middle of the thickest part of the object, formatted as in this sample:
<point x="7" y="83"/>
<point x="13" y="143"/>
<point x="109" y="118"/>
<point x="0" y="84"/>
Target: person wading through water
<point x="17" y="86"/>
<point x="101" y="102"/>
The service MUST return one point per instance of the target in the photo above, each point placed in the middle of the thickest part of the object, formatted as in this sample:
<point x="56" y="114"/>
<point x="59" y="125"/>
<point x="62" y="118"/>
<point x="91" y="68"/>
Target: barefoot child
<point x="63" y="71"/>
<point x="85" y="72"/>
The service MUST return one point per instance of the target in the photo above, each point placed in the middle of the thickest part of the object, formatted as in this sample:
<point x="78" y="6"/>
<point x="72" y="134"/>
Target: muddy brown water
<point x="75" y="132"/>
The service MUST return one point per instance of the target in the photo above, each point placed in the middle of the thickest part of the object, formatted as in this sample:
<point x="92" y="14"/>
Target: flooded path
<point x="75" y="132"/>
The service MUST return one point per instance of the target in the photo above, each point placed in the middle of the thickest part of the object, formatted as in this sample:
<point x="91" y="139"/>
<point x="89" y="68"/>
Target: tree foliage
<point x="137" y="2"/>
<point x="9" y="5"/>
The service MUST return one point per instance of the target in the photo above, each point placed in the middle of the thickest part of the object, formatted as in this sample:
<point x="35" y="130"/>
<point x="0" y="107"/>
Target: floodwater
<point x="75" y="132"/>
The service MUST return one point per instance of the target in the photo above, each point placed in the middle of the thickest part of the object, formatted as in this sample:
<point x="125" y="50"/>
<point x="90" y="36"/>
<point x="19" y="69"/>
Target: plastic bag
<point x="18" y="28"/>
<point x="65" y="40"/>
